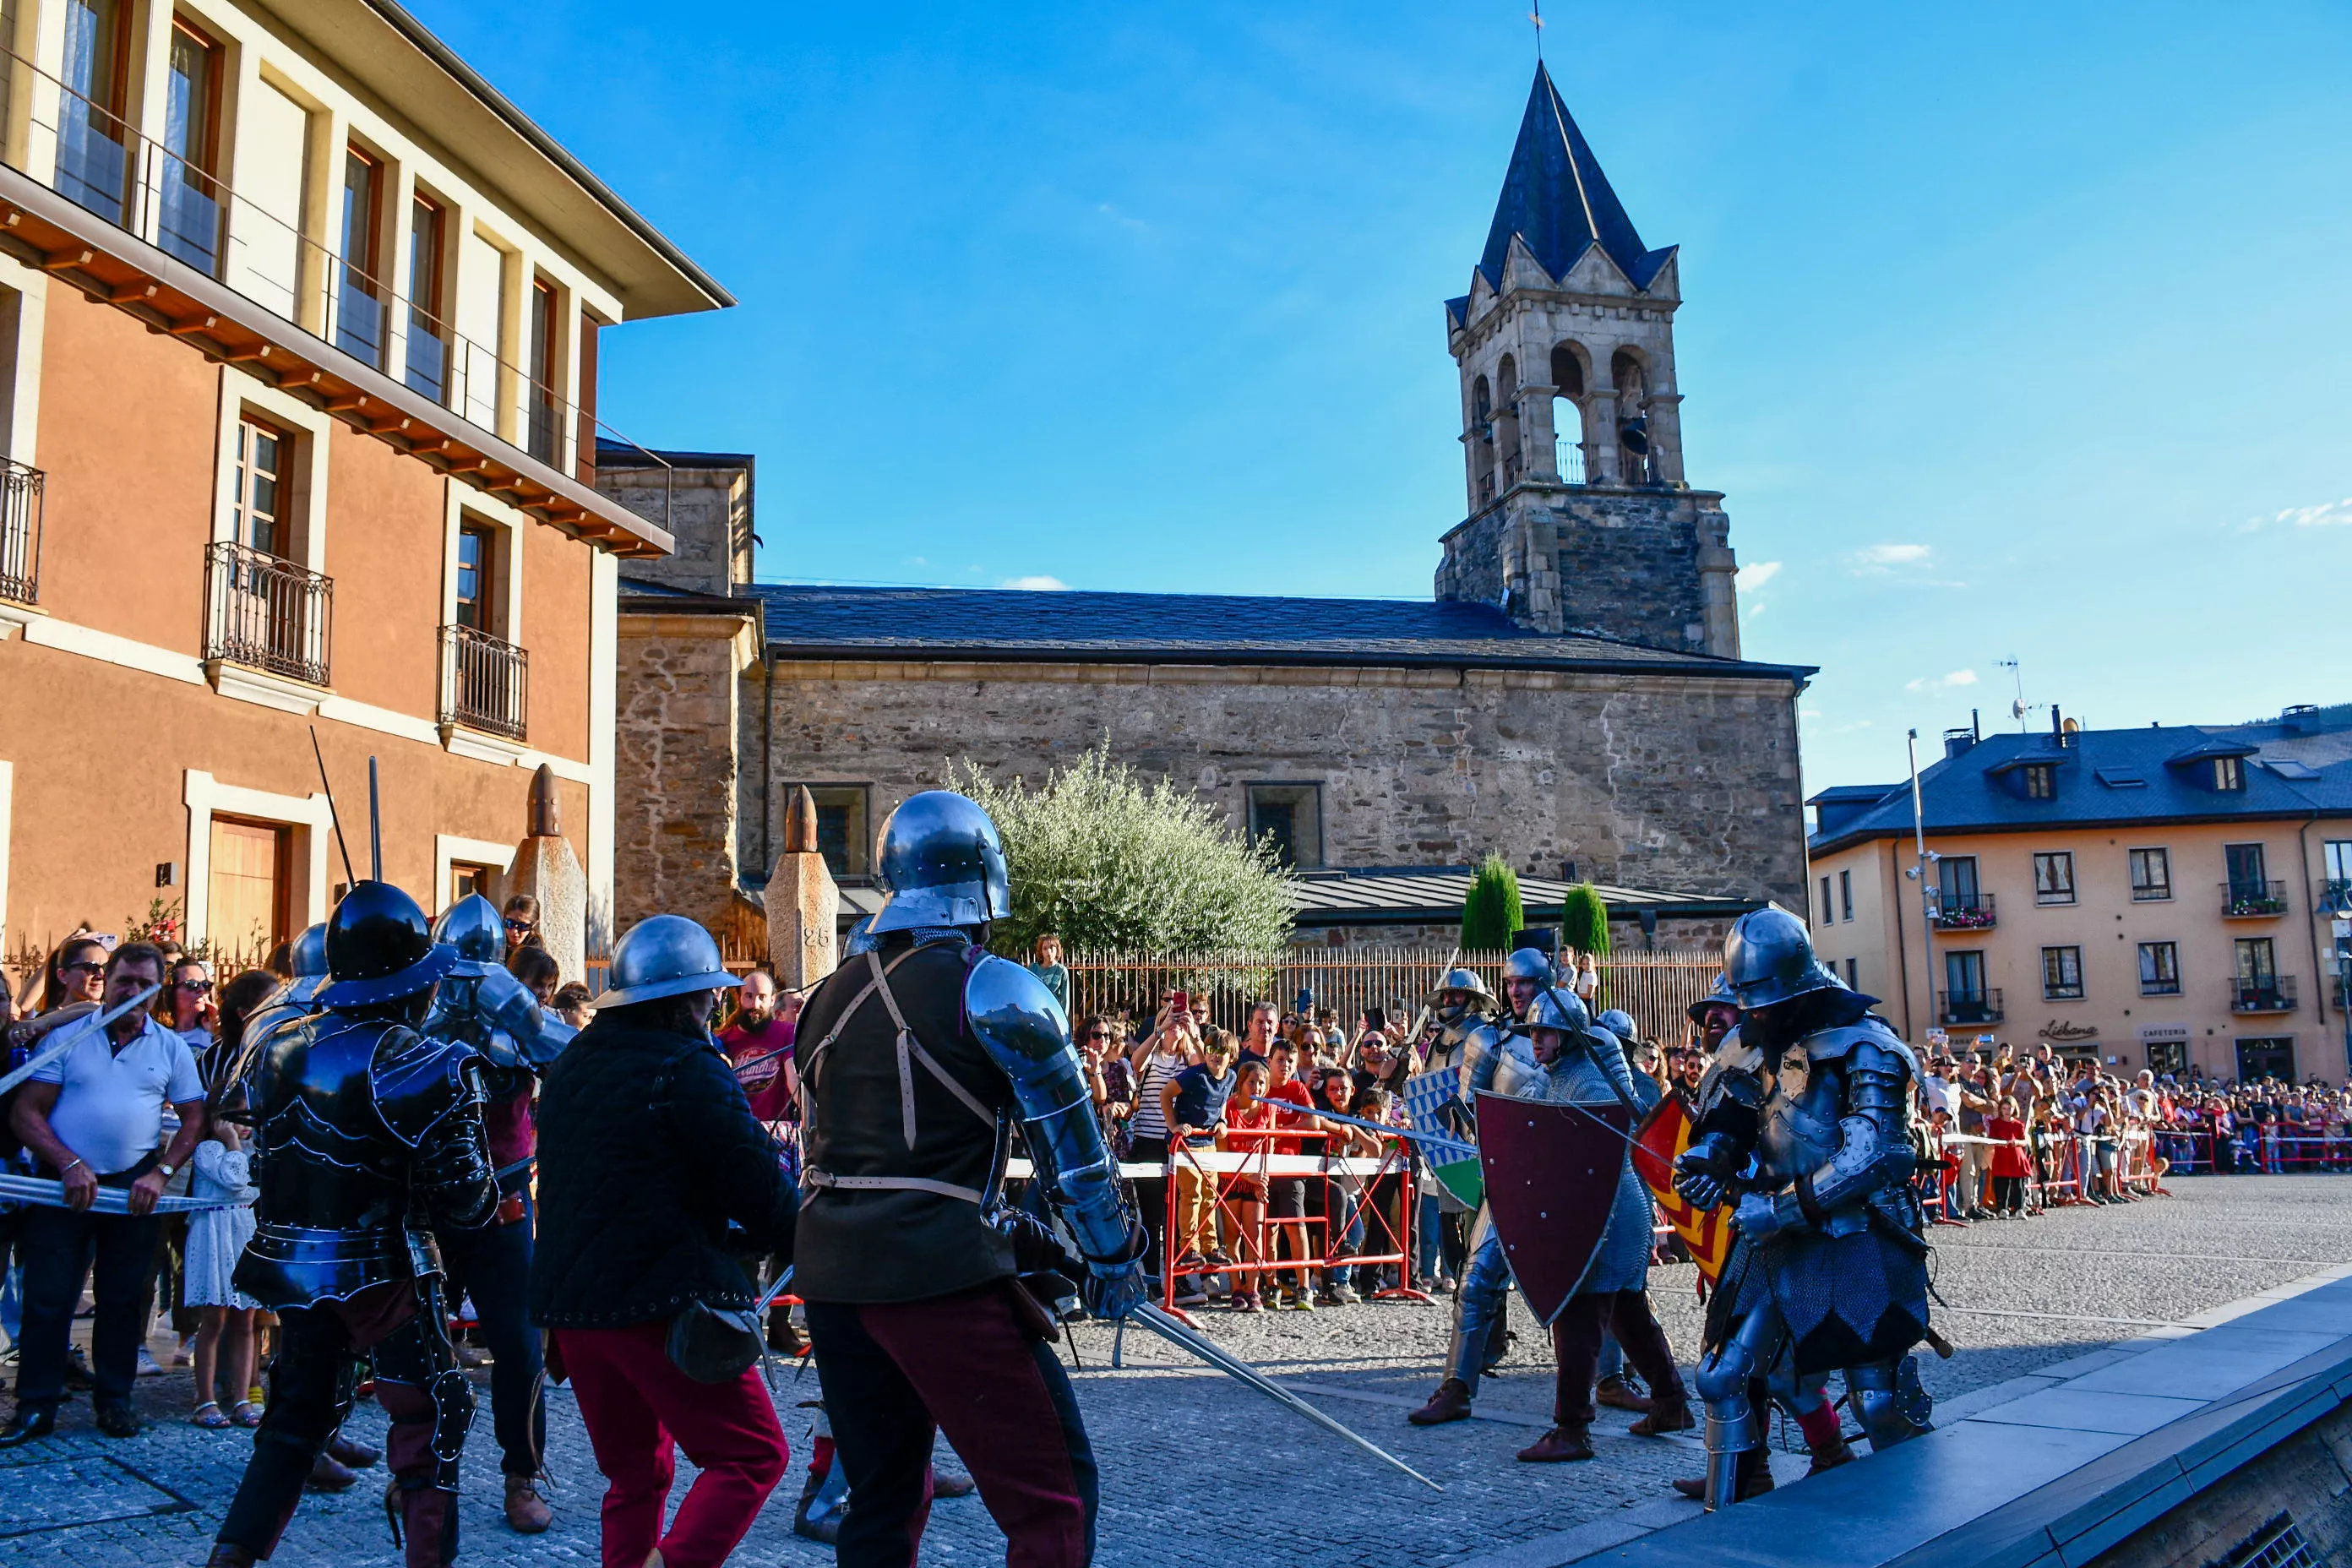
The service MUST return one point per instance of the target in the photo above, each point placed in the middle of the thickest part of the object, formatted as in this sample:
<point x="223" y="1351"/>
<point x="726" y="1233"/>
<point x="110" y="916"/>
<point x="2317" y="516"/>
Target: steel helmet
<point x="1720" y="996"/>
<point x="664" y="955"/>
<point x="1554" y="1008"/>
<point x="942" y="864"/>
<point x="1530" y="963"/>
<point x="1620" y="1023"/>
<point x="474" y="927"/>
<point x="380" y="948"/>
<point x="859" y="939"/>
<point x="1769" y="958"/>
<point x="1461" y="979"/>
<point x="310" y="956"/>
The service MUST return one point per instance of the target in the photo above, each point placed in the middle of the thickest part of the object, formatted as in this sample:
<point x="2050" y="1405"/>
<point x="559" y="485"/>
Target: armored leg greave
<point x="1733" y="1421"/>
<point x="1888" y="1399"/>
<point x="1481" y="1302"/>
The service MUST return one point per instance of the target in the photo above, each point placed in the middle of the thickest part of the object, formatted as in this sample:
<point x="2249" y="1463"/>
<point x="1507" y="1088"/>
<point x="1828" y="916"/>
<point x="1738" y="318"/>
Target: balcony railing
<point x="20" y="532"/>
<point x="92" y="157"/>
<point x="1967" y="911"/>
<point x="267" y="613"/>
<point x="2262" y="993"/>
<point x="1965" y="1007"/>
<point x="2253" y="901"/>
<point x="485" y="683"/>
<point x="2332" y="896"/>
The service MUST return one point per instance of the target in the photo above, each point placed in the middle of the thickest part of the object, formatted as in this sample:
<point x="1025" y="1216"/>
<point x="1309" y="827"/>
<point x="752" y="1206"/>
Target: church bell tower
<point x="1578" y="517"/>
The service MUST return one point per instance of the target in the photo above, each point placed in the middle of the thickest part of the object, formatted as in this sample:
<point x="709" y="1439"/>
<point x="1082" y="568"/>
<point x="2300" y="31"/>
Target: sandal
<point x="208" y="1416"/>
<point x="247" y="1413"/>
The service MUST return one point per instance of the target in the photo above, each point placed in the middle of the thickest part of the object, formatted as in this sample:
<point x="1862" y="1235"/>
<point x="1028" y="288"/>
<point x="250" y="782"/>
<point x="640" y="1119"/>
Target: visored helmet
<point x="1530" y="963"/>
<point x="380" y="948"/>
<point x="474" y="927"/>
<point x="664" y="955"/>
<point x="1720" y="996"/>
<point x="1620" y="1023"/>
<point x="1769" y="958"/>
<point x="942" y="863"/>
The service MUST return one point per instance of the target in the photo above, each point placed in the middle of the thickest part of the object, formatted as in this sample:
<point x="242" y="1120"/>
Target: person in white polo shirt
<point x="95" y="1118"/>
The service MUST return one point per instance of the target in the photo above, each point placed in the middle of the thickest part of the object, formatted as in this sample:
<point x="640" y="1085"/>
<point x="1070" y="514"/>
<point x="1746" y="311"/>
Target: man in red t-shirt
<point x="1286" y="1196"/>
<point x="759" y="1043"/>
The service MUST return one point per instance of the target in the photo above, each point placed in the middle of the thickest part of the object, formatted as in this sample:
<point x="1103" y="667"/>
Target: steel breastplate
<point x="1800" y="1124"/>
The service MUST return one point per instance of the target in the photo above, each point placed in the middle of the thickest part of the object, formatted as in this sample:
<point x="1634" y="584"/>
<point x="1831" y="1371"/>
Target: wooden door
<point x="247" y="912"/>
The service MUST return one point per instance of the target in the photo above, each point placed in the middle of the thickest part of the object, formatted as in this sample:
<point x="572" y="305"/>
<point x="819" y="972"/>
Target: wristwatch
<point x="169" y="1169"/>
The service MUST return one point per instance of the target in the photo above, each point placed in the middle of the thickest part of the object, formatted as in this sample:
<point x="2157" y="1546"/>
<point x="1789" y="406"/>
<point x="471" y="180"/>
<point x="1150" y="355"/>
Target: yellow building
<point x="2161" y="898"/>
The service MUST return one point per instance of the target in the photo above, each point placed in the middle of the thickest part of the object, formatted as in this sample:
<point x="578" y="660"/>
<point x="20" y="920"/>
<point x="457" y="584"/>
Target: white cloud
<point x="1756" y="574"/>
<point x="1877" y="560"/>
<point x="1037" y="585"/>
<point x="2327" y="514"/>
<point x="1943" y="682"/>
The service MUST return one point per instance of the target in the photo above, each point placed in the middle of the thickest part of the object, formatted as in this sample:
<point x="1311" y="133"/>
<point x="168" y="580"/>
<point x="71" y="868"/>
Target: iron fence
<point x="267" y="613"/>
<point x="20" y="532"/>
<point x="485" y="683"/>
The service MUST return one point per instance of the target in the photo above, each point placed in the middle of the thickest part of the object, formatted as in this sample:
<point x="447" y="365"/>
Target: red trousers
<point x="636" y="1405"/>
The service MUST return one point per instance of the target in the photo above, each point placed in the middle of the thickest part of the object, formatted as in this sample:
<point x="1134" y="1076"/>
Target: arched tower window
<point x="1507" y="421"/>
<point x="1568" y="413"/>
<point x="1632" y="383"/>
<point x="1481" y="444"/>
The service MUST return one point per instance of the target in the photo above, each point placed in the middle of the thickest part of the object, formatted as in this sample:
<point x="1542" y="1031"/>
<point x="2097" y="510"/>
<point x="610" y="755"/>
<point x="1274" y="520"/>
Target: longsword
<point x="1174" y="1331"/>
<point x="56" y="1049"/>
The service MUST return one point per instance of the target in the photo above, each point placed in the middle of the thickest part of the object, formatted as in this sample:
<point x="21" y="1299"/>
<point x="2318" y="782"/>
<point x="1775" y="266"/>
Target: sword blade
<point x="1171" y="1330"/>
<point x="56" y="1048"/>
<point x="774" y="1290"/>
<point x="1437" y="1140"/>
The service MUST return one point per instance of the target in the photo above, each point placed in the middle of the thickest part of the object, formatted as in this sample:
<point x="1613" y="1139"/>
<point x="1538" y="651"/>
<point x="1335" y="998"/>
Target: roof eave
<point x="1004" y="654"/>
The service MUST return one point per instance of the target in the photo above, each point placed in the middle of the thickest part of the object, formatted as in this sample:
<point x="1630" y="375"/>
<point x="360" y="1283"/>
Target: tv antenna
<point x="1536" y="16"/>
<point x="2020" y="708"/>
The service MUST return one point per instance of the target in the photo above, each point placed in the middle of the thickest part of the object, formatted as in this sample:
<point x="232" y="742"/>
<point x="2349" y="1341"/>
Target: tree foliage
<point x="1491" y="910"/>
<point x="1584" y="920"/>
<point x="1111" y="864"/>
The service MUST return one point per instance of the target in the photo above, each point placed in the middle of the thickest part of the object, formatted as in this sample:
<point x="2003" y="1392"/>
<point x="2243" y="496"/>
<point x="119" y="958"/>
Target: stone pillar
<point x="1543" y="442"/>
<point x="803" y="905"/>
<point x="545" y="868"/>
<point x="1601" y="446"/>
<point x="1667" y="436"/>
<point x="1719" y="571"/>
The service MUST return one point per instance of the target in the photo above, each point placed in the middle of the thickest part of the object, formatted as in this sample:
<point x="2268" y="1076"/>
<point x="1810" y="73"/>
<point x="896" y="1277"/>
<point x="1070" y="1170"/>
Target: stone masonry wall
<point x="674" y="782"/>
<point x="707" y="512"/>
<point x="1653" y="781"/>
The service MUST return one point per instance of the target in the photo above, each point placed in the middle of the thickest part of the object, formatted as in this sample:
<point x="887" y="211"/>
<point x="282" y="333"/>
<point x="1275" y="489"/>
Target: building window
<point x="2040" y="780"/>
<point x="2228" y="773"/>
<point x="1966" y="998"/>
<point x="188" y="222"/>
<point x="2151" y="876"/>
<point x="1845" y="895"/>
<point x="1289" y="818"/>
<point x="1854" y="974"/>
<point x="358" y="314"/>
<point x="265" y="456"/>
<point x="428" y="345"/>
<point x="841" y="834"/>
<point x="546" y="371"/>
<point x="2169" y="1058"/>
<point x="2250" y="890"/>
<point x="93" y="160"/>
<point x="467" y="878"/>
<point x="2336" y="893"/>
<point x="1823" y="915"/>
<point x="2054" y="877"/>
<point x="2062" y="974"/>
<point x="2273" y="1058"/>
<point x="481" y="605"/>
<point x="2159" y="968"/>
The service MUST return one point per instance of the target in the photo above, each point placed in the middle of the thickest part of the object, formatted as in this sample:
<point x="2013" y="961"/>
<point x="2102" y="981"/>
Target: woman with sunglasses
<point x="185" y="1006"/>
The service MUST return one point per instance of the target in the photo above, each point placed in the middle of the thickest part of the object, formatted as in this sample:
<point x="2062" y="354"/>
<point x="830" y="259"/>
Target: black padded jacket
<point x="646" y="1149"/>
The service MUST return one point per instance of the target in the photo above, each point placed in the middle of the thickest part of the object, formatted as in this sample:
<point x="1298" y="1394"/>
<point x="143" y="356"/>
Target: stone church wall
<point x="1681" y="782"/>
<point x="679" y="680"/>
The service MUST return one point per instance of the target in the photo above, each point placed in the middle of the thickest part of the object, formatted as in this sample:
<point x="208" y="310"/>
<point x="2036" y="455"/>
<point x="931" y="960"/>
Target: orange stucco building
<point x="297" y="357"/>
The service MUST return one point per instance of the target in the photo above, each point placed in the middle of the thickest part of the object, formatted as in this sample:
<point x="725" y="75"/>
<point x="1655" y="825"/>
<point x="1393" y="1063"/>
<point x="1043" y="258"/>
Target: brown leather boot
<point x="527" y="1512"/>
<point x="345" y="1451"/>
<point x="327" y="1474"/>
<point x="1829" y="1455"/>
<point x="227" y="1556"/>
<point x="1559" y="1446"/>
<point x="1450" y="1403"/>
<point x="1667" y="1414"/>
<point x="1617" y="1395"/>
<point x="1755" y="1479"/>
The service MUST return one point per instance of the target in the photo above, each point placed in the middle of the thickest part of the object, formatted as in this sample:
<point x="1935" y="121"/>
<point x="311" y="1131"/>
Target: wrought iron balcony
<point x="1969" y="911"/>
<point x="2253" y="901"/>
<point x="1966" y="1007"/>
<point x="2262" y="993"/>
<point x="20" y="532"/>
<point x="267" y="613"/>
<point x="485" y="683"/>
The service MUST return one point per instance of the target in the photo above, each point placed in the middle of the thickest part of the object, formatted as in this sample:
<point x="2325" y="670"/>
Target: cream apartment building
<point x="2161" y="898"/>
<point x="299" y="341"/>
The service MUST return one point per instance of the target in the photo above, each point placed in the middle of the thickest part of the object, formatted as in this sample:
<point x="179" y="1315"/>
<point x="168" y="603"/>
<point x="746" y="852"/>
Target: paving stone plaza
<point x="1197" y="1469"/>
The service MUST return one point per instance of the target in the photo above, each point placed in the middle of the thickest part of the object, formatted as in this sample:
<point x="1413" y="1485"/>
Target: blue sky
<point x="2010" y="331"/>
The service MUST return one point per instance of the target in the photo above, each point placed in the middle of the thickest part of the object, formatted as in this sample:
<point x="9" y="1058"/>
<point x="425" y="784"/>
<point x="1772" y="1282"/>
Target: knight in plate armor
<point x="479" y="1005"/>
<point x="367" y="1134"/>
<point x="1804" y="1125"/>
<point x="928" y="1295"/>
<point x="1493" y="1057"/>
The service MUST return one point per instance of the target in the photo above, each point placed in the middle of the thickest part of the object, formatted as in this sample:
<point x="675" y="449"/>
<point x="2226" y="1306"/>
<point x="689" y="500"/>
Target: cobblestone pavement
<point x="1196" y="1469"/>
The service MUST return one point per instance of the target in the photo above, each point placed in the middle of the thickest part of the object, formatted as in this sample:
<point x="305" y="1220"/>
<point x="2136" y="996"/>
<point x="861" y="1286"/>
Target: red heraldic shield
<point x="1551" y="1180"/>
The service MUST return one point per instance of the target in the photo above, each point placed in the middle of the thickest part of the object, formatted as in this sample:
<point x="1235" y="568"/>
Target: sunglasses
<point x="198" y="987"/>
<point x="517" y="925"/>
<point x="86" y="967"/>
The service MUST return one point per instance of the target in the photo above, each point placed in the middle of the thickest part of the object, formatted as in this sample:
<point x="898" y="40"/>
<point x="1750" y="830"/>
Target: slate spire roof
<point x="1555" y="198"/>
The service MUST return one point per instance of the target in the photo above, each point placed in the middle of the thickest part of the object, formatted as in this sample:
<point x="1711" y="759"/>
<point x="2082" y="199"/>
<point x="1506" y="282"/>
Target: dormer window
<point x="2038" y="781"/>
<point x="2228" y="773"/>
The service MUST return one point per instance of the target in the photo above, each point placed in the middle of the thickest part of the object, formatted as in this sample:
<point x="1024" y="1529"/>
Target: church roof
<point x="1555" y="198"/>
<point x="1006" y="625"/>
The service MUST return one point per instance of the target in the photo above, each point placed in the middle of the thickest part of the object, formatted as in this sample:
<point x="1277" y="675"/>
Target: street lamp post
<point x="1927" y="884"/>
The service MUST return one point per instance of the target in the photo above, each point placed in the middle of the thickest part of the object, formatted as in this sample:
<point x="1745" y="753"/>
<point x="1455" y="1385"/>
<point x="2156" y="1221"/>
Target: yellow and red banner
<point x="1664" y="1133"/>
